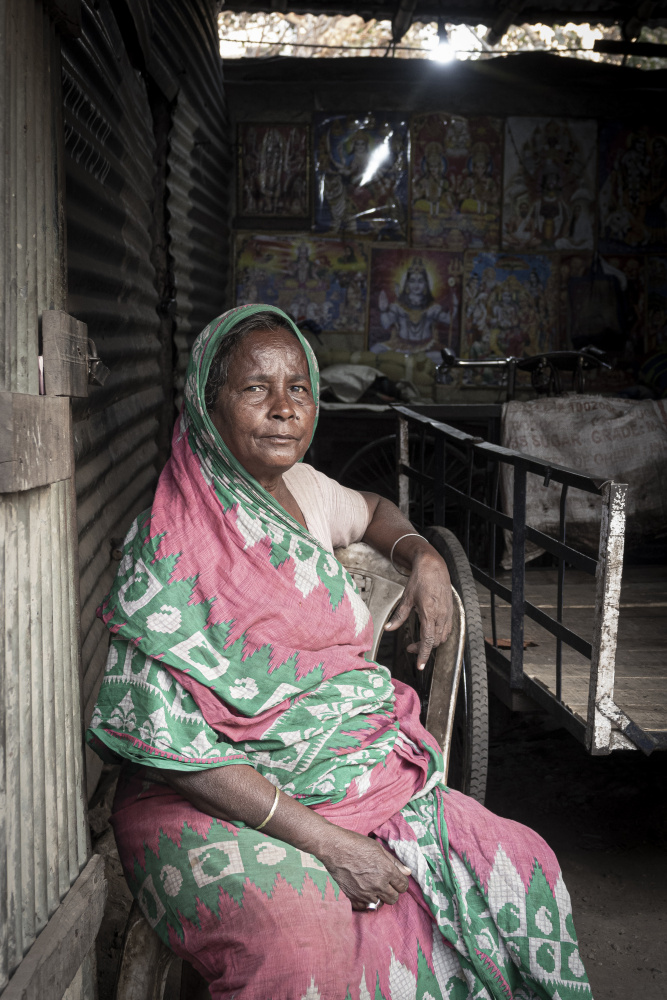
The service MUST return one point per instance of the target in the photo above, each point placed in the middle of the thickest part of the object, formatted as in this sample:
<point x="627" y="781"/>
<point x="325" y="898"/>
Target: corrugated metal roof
<point x="109" y="148"/>
<point x="472" y="11"/>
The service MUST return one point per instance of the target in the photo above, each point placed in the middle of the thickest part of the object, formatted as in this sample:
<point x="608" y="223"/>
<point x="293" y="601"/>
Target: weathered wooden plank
<point x="57" y="954"/>
<point x="35" y="441"/>
<point x="65" y="353"/>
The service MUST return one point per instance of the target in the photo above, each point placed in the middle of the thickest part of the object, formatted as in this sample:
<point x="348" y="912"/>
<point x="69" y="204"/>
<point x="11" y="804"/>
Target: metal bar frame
<point x="602" y="729"/>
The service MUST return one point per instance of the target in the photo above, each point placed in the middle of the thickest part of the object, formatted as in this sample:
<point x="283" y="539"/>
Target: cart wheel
<point x="468" y="759"/>
<point x="373" y="468"/>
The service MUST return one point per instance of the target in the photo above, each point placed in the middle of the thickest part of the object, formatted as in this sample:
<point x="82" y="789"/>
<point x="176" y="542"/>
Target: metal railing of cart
<point x="606" y="727"/>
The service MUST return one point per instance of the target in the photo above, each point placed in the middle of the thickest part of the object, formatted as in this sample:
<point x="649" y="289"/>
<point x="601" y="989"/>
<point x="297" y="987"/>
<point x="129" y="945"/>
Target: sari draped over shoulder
<point x="237" y="638"/>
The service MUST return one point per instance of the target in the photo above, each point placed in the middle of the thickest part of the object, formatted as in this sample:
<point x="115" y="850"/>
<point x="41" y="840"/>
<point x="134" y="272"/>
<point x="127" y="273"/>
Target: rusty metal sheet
<point x="109" y="163"/>
<point x="200" y="170"/>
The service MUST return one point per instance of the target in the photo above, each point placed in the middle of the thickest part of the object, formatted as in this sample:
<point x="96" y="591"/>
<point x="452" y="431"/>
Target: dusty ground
<point x="606" y="818"/>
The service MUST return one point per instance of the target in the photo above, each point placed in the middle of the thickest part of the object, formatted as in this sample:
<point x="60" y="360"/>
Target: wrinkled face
<point x="265" y="412"/>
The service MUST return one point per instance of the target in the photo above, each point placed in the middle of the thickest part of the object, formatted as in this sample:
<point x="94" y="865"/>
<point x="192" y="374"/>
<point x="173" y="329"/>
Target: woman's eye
<point x="299" y="388"/>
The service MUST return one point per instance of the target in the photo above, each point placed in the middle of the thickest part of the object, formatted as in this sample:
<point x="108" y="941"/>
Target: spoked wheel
<point x="373" y="468"/>
<point x="468" y="754"/>
<point x="468" y="761"/>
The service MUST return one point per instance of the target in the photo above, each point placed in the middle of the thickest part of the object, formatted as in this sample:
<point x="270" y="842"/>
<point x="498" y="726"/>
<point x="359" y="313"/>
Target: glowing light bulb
<point x="444" y="50"/>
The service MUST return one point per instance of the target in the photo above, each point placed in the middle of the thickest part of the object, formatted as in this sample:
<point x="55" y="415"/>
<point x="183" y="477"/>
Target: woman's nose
<point x="282" y="405"/>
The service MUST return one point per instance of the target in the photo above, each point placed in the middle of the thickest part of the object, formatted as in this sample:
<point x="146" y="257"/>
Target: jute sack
<point x="602" y="437"/>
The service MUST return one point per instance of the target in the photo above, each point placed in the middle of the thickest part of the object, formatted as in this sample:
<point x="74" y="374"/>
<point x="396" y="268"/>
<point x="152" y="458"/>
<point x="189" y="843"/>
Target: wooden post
<point x="607" y="599"/>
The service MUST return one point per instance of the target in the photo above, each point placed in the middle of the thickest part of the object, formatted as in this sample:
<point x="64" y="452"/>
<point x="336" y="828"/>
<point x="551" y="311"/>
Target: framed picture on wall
<point x="511" y="305"/>
<point x="273" y="170"/>
<point x="633" y="188"/>
<point x="323" y="281"/>
<point x="414" y="301"/>
<point x="361" y="175"/>
<point x="549" y="184"/>
<point x="455" y="190"/>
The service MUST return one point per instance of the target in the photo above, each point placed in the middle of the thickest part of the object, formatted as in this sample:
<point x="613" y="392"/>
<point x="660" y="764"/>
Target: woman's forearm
<point x="387" y="525"/>
<point x="428" y="590"/>
<point x="364" y="870"/>
<point x="237" y="792"/>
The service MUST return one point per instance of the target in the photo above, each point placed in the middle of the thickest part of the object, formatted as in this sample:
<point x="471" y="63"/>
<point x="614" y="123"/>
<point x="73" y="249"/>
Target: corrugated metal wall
<point x="115" y="179"/>
<point x="43" y="841"/>
<point x="109" y="150"/>
<point x="200" y="169"/>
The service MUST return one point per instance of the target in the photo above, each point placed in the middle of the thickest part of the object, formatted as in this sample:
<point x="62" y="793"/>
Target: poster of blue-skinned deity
<point x="322" y="282"/>
<point x="456" y="187"/>
<point x="511" y="306"/>
<point x="549" y="184"/>
<point x="414" y="301"/>
<point x="633" y="188"/>
<point x="361" y="175"/>
<point x="273" y="170"/>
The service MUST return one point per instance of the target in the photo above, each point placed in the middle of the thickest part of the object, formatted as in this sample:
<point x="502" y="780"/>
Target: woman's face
<point x="265" y="412"/>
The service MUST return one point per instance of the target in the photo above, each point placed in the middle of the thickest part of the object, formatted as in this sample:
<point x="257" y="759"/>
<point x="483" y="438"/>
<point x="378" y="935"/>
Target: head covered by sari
<point x="237" y="637"/>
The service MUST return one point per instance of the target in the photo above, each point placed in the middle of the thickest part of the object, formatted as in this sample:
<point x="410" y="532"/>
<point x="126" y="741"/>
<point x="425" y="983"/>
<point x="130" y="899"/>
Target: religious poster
<point x="456" y="186"/>
<point x="656" y="323"/>
<point x="549" y="184"/>
<point x="633" y="188"/>
<point x="511" y="305"/>
<point x="273" y="170"/>
<point x="361" y="175"/>
<point x="316" y="280"/>
<point x="415" y="301"/>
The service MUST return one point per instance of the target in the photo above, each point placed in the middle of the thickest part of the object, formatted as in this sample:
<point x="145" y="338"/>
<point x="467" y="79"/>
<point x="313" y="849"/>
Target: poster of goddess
<point x="549" y="184"/>
<point x="322" y="281"/>
<point x="273" y="170"/>
<point x="455" y="194"/>
<point x="511" y="305"/>
<point x="415" y="301"/>
<point x="633" y="188"/>
<point x="361" y="175"/>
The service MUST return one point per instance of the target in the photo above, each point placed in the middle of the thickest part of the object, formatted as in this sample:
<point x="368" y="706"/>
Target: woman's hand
<point x="363" y="869"/>
<point x="428" y="590"/>
<point x="429" y="593"/>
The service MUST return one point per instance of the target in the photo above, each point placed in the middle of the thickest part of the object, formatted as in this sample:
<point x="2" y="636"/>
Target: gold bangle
<point x="273" y="809"/>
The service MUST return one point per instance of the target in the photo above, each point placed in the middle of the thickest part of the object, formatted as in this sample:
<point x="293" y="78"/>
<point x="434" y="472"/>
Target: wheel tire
<point x="468" y="761"/>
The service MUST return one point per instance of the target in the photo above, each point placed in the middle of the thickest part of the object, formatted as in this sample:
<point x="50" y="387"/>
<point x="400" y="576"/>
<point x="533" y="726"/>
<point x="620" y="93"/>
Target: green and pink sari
<point x="236" y="638"/>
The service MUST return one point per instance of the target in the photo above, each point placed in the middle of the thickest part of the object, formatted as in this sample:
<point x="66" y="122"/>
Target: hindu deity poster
<point x="415" y="300"/>
<point x="273" y="170"/>
<point x="549" y="184"/>
<point x="633" y="188"/>
<point x="323" y="281"/>
<point x="361" y="175"/>
<point x="455" y="192"/>
<point x="511" y="305"/>
<point x="656" y="324"/>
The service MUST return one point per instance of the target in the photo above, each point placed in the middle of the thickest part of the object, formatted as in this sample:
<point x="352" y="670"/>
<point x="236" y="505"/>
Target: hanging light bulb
<point x="444" y="50"/>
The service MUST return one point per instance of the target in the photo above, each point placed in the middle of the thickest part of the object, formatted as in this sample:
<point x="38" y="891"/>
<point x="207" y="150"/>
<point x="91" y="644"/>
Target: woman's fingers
<point x="402" y="612"/>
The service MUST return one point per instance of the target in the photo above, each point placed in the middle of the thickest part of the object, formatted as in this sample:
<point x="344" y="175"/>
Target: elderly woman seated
<point x="281" y="816"/>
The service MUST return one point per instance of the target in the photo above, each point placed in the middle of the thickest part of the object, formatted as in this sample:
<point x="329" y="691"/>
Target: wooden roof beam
<point x="402" y="19"/>
<point x="508" y="16"/>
